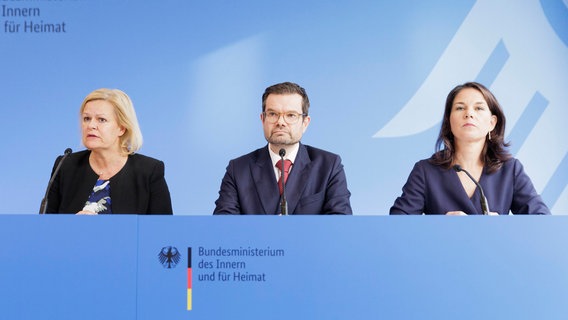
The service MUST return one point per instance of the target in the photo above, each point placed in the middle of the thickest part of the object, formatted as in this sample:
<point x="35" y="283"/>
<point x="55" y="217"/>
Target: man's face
<point x="281" y="133"/>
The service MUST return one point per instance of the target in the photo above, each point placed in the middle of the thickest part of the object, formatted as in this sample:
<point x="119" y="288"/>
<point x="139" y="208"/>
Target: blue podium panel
<point x="68" y="267"/>
<point x="269" y="267"/>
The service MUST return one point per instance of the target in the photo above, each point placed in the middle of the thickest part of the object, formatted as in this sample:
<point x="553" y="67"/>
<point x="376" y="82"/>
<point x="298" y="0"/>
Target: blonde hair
<point x="131" y="140"/>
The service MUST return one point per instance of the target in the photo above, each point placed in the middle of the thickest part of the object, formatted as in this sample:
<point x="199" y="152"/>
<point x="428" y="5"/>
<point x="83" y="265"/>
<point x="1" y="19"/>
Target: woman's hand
<point x="461" y="213"/>
<point x="84" y="212"/>
<point x="456" y="213"/>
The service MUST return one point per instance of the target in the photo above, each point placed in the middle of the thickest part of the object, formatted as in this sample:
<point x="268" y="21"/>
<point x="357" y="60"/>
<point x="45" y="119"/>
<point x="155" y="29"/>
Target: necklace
<point x="111" y="168"/>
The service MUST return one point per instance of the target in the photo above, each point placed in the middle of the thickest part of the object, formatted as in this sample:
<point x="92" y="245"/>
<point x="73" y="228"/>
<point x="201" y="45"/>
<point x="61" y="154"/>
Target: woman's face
<point x="99" y="126"/>
<point x="470" y="117"/>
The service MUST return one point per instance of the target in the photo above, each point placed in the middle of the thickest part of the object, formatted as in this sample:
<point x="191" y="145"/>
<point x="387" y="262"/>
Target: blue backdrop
<point x="377" y="73"/>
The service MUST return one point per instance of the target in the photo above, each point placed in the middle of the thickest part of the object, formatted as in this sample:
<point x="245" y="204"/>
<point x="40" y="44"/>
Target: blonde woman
<point x="109" y="177"/>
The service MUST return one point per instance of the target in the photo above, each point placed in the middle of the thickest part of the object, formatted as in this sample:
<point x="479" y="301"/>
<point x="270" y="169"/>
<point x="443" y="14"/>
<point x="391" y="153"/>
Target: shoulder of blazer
<point x="256" y="156"/>
<point x="138" y="159"/>
<point x="314" y="153"/>
<point x="75" y="161"/>
<point x="141" y="164"/>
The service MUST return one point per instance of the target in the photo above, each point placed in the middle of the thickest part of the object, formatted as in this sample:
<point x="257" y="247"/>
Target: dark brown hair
<point x="495" y="151"/>
<point x="287" y="88"/>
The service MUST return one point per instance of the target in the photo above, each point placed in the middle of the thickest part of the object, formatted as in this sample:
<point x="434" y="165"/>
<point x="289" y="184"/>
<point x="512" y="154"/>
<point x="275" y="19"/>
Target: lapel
<point x="476" y="198"/>
<point x="462" y="197"/>
<point x="83" y="181"/>
<point x="298" y="178"/>
<point x="120" y="191"/>
<point x="267" y="189"/>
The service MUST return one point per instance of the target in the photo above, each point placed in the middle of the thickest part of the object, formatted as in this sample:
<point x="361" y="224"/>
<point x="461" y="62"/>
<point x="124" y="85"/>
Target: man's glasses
<point x="289" y="117"/>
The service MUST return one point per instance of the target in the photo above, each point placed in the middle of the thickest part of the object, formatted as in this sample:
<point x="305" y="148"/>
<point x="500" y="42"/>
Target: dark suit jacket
<point x="316" y="185"/>
<point x="138" y="188"/>
<point x="431" y="189"/>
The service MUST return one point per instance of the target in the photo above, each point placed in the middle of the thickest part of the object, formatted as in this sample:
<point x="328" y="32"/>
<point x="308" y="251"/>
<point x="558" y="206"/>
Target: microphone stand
<point x="43" y="206"/>
<point x="483" y="199"/>
<point x="283" y="201"/>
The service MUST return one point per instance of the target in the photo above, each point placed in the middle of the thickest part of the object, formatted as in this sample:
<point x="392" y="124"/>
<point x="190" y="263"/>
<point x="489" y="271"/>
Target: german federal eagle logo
<point x="169" y="257"/>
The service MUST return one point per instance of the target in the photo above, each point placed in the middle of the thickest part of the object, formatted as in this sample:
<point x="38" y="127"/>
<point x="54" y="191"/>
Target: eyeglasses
<point x="289" y="117"/>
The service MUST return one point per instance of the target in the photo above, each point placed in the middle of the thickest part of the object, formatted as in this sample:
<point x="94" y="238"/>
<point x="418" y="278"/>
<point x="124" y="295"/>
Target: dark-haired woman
<point x="471" y="137"/>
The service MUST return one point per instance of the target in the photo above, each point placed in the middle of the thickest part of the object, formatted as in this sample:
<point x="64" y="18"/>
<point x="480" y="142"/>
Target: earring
<point x="489" y="135"/>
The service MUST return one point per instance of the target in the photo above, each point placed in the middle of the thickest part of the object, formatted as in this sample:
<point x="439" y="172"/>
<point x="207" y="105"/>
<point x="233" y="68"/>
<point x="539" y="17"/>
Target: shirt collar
<point x="291" y="154"/>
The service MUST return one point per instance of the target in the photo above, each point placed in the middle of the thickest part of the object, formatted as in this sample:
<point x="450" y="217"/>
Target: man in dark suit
<point x="316" y="182"/>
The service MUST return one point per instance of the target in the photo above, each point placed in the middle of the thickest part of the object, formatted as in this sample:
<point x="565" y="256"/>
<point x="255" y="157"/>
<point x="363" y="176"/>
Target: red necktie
<point x="287" y="165"/>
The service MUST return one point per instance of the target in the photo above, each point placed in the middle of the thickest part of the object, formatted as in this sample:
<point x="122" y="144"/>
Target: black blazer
<point x="138" y="188"/>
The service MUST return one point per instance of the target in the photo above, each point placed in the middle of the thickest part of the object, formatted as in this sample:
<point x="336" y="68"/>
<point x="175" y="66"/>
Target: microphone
<point x="483" y="200"/>
<point x="283" y="202"/>
<point x="43" y="207"/>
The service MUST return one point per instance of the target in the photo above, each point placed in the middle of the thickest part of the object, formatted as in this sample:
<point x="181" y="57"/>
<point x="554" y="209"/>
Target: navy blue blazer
<point x="138" y="188"/>
<point x="316" y="185"/>
<point x="431" y="189"/>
